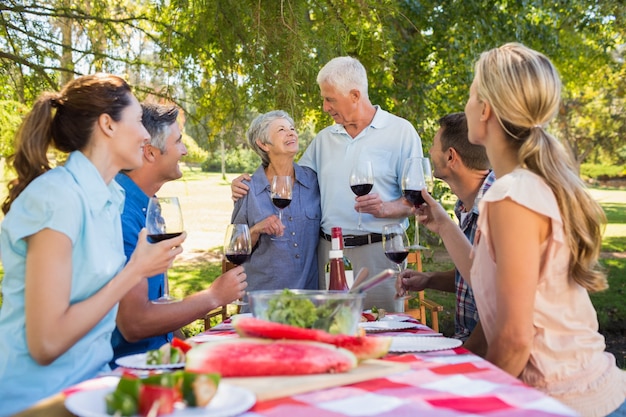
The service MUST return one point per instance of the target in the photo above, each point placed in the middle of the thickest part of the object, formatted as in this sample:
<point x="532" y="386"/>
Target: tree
<point x="225" y="61"/>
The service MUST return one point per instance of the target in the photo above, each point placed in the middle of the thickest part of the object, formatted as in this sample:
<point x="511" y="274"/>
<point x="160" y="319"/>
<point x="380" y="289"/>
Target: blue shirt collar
<point x="380" y="120"/>
<point x="129" y="186"/>
<point x="261" y="183"/>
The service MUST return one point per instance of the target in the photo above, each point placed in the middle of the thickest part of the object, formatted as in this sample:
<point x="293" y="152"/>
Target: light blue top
<point x="288" y="263"/>
<point x="75" y="201"/>
<point x="388" y="142"/>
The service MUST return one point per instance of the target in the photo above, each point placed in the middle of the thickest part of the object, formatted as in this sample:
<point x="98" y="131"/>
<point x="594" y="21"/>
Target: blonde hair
<point x="524" y="90"/>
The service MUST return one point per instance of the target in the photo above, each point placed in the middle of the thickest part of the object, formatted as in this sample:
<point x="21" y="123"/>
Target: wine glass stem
<point x="280" y="215"/>
<point x="417" y="233"/>
<point x="166" y="286"/>
<point x="360" y="225"/>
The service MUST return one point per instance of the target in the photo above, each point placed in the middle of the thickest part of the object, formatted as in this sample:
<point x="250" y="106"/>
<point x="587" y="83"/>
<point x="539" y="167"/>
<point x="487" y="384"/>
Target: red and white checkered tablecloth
<point x="443" y="383"/>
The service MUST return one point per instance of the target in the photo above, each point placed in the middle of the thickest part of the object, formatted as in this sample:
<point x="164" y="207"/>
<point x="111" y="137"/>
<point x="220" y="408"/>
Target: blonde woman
<point x="535" y="255"/>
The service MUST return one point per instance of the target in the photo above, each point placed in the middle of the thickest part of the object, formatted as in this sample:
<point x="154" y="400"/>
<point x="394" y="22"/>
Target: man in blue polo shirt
<point x="141" y="324"/>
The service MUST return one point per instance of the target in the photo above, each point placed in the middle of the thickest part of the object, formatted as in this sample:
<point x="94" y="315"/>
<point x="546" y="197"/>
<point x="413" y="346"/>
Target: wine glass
<point x="417" y="175"/>
<point x="281" y="189"/>
<point x="361" y="181"/>
<point x="396" y="246"/>
<point x="164" y="220"/>
<point x="395" y="243"/>
<point x="237" y="247"/>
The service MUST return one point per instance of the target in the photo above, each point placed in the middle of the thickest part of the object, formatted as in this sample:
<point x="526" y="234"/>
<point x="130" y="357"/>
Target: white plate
<point x="391" y="317"/>
<point x="386" y="326"/>
<point x="138" y="361"/>
<point x="395" y="317"/>
<point x="422" y="344"/>
<point x="228" y="401"/>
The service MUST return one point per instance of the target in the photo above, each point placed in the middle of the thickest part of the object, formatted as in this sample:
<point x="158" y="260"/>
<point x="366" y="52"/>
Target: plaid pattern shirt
<point x="466" y="315"/>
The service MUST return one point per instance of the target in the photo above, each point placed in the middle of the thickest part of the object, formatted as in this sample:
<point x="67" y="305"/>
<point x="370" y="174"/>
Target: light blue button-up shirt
<point x="290" y="262"/>
<point x="388" y="142"/>
<point x="75" y="201"/>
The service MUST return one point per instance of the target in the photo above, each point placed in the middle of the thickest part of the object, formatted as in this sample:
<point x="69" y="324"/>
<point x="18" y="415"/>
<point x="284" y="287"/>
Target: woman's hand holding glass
<point x="417" y="175"/>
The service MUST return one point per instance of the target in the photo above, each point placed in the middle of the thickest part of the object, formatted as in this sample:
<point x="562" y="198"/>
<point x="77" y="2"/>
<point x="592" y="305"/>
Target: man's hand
<point x="409" y="280"/>
<point x="370" y="204"/>
<point x="238" y="188"/>
<point x="229" y="286"/>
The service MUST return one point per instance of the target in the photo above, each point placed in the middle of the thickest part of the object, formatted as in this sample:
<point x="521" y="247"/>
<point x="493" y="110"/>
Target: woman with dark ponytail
<point x="535" y="255"/>
<point x="61" y="240"/>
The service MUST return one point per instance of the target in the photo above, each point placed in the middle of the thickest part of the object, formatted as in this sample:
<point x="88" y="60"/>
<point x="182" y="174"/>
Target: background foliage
<point x="224" y="61"/>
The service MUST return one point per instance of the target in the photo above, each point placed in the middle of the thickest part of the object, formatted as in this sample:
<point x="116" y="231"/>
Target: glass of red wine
<point x="237" y="247"/>
<point x="281" y="189"/>
<point x="396" y="245"/>
<point x="361" y="181"/>
<point x="164" y="220"/>
<point x="417" y="175"/>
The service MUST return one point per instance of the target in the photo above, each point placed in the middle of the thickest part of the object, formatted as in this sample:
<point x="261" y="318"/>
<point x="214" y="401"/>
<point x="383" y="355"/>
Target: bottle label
<point x="336" y="238"/>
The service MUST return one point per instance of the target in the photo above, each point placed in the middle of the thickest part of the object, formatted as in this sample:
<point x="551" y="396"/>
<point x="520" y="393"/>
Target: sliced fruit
<point x="363" y="347"/>
<point x="198" y="389"/>
<point x="154" y="397"/>
<point x="368" y="317"/>
<point x="264" y="357"/>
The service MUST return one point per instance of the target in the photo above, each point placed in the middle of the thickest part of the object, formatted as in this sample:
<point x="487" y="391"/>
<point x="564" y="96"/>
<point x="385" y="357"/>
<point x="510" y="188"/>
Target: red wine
<point x="162" y="236"/>
<point x="414" y="197"/>
<point x="397" y="257"/>
<point x="237" y="258"/>
<point x="281" y="203"/>
<point x="361" y="189"/>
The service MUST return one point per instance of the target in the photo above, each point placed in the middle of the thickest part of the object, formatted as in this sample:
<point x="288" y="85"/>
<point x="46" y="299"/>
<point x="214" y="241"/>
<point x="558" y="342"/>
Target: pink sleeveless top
<point x="567" y="359"/>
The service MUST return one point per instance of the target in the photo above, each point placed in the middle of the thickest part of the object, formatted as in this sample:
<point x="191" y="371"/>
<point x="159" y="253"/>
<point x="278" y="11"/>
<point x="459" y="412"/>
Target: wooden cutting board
<point x="271" y="387"/>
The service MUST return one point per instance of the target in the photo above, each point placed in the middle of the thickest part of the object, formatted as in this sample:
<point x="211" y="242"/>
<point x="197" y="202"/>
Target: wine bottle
<point x="337" y="279"/>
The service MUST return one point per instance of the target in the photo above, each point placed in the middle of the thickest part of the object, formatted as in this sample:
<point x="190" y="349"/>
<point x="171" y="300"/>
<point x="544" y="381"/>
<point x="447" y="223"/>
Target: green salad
<point x="290" y="308"/>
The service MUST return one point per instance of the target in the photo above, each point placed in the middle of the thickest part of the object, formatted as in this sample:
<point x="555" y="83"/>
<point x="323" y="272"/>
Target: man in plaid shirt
<point x="465" y="168"/>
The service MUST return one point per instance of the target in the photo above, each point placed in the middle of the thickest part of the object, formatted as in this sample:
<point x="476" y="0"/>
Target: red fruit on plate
<point x="181" y="344"/>
<point x="368" y="316"/>
<point x="156" y="397"/>
<point x="363" y="347"/>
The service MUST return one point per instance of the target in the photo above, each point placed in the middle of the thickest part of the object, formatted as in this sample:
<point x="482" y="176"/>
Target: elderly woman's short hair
<point x="259" y="131"/>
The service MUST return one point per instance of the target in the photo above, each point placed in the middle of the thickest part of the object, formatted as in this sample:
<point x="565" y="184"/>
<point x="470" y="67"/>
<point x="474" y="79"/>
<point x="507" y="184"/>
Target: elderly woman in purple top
<point x="289" y="262"/>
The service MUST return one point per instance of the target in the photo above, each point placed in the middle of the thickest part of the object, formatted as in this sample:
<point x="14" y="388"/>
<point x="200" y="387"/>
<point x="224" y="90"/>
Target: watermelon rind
<point x="363" y="347"/>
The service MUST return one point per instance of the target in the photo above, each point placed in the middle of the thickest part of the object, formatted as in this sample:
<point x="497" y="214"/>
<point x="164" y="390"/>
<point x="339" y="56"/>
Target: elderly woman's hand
<point x="271" y="225"/>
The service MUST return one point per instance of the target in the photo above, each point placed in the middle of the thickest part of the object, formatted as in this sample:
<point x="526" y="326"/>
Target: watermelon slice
<point x="263" y="357"/>
<point x="363" y="347"/>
